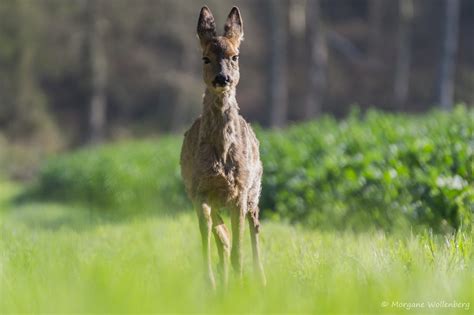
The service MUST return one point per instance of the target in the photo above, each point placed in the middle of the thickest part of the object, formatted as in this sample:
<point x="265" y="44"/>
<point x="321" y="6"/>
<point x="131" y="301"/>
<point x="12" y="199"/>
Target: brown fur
<point x="220" y="161"/>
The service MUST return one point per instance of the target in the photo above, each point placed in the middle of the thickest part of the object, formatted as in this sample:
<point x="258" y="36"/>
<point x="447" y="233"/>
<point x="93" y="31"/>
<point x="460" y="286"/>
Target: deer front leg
<point x="254" y="226"/>
<point x="221" y="234"/>
<point x="205" y="227"/>
<point x="237" y="219"/>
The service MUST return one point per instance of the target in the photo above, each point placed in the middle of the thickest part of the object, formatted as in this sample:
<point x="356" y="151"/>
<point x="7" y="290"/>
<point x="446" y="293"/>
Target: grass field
<point x="57" y="258"/>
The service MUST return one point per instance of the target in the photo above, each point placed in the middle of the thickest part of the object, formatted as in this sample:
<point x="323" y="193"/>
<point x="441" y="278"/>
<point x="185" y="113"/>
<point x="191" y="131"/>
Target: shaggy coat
<point x="220" y="159"/>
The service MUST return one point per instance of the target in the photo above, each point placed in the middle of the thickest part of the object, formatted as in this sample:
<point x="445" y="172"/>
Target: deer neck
<point x="220" y="122"/>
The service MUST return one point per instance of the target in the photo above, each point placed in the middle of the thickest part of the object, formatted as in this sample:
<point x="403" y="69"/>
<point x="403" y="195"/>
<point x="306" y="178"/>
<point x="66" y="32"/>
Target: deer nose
<point x="221" y="79"/>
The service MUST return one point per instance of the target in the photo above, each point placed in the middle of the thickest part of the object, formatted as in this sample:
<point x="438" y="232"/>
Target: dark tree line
<point x="73" y="72"/>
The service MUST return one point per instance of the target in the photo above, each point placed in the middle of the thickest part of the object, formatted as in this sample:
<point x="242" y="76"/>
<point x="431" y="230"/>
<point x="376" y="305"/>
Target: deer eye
<point x="235" y="58"/>
<point x="206" y="60"/>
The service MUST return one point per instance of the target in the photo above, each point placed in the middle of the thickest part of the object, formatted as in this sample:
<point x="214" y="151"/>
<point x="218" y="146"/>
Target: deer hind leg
<point x="254" y="226"/>
<point x="221" y="234"/>
<point x="205" y="227"/>
<point x="237" y="219"/>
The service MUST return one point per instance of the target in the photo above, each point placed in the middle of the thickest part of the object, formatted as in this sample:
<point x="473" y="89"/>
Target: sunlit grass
<point x="59" y="259"/>
<point x="7" y="191"/>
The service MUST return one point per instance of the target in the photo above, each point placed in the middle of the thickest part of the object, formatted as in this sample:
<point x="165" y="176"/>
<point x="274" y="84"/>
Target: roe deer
<point x="220" y="160"/>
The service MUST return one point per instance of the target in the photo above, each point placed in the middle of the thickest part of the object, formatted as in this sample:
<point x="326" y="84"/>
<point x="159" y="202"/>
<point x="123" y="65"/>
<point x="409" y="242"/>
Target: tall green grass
<point x="154" y="265"/>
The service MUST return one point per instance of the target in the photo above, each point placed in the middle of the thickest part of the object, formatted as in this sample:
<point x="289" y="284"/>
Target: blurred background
<point x="85" y="71"/>
<point x="364" y="110"/>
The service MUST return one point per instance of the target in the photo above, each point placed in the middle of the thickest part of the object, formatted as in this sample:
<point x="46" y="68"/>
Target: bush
<point x="384" y="170"/>
<point x="381" y="170"/>
<point x="137" y="176"/>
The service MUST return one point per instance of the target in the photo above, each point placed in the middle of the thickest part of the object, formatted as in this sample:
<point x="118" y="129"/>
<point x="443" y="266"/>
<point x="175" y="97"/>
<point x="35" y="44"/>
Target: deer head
<point x="220" y="53"/>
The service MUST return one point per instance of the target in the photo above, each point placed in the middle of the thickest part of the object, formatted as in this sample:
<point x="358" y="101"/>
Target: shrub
<point x="380" y="170"/>
<point x="136" y="176"/>
<point x="384" y="170"/>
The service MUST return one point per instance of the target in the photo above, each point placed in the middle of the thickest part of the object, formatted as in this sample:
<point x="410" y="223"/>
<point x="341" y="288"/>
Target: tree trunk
<point x="98" y="66"/>
<point x="375" y="29"/>
<point x="374" y="49"/>
<point x="178" y="114"/>
<point x="402" y="70"/>
<point x="30" y="100"/>
<point x="448" y="56"/>
<point x="317" y="63"/>
<point x="297" y="17"/>
<point x="277" y="66"/>
<point x="27" y="89"/>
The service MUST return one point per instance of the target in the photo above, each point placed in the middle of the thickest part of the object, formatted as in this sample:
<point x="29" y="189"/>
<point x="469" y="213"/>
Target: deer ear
<point x="234" y="28"/>
<point x="206" y="28"/>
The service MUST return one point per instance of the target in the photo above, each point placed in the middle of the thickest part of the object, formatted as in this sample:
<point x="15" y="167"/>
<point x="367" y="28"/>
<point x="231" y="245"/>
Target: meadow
<point x="58" y="259"/>
<point x="99" y="232"/>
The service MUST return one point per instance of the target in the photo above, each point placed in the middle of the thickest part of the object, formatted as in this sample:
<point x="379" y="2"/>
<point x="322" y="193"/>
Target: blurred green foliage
<point x="382" y="169"/>
<point x="377" y="170"/>
<point x="137" y="176"/>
